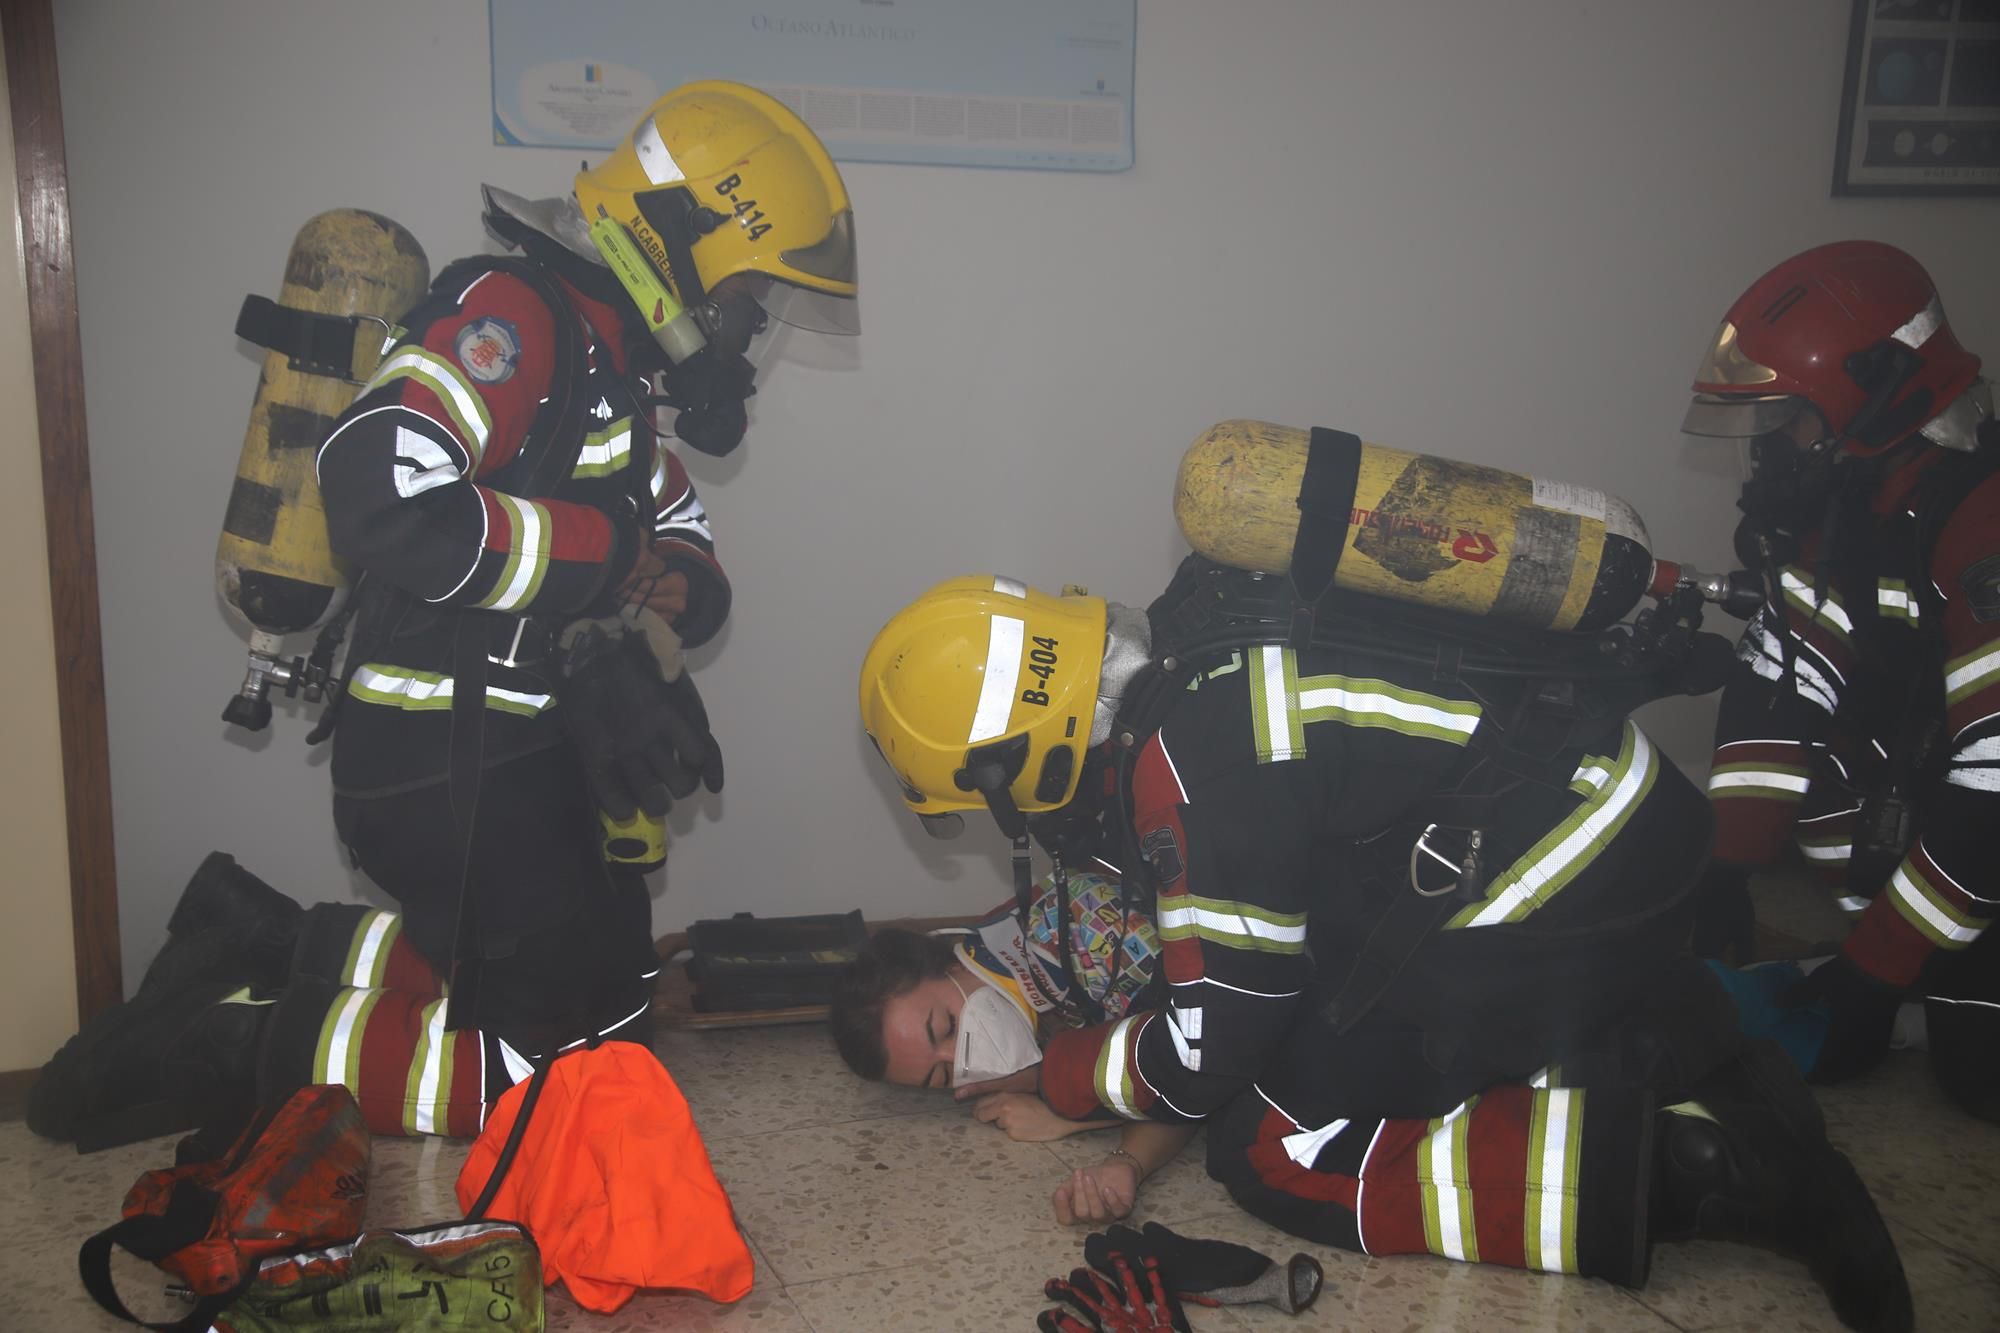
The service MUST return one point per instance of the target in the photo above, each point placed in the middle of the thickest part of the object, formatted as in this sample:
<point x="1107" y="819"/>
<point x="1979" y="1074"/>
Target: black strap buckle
<point x="313" y="343"/>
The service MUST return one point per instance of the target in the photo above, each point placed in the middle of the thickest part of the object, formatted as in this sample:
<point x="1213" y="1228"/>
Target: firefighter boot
<point x="1749" y="1161"/>
<point x="228" y="926"/>
<point x="160" y="1063"/>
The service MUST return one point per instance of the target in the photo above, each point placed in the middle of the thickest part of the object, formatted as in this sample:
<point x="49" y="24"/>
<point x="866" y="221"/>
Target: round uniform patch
<point x="489" y="348"/>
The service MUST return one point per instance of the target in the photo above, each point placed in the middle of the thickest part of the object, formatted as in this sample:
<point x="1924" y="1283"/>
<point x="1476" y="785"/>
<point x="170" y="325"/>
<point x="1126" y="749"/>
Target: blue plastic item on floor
<point x="1799" y="1032"/>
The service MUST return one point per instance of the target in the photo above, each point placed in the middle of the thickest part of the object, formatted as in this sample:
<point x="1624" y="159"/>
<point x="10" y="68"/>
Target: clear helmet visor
<point x="1734" y="416"/>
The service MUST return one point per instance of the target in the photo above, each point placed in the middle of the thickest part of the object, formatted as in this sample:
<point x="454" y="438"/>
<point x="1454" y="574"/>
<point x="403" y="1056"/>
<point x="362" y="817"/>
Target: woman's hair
<point x="893" y="962"/>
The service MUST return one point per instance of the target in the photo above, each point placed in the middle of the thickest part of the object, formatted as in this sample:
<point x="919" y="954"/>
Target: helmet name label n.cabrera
<point x="1041" y="665"/>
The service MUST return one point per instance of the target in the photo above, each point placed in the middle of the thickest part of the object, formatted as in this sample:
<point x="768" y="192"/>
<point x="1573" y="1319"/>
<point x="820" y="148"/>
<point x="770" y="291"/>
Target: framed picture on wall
<point x="1920" y="103"/>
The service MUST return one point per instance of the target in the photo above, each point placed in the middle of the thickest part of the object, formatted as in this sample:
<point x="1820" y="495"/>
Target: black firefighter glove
<point x="1861" y="1012"/>
<point x="1213" y="1272"/>
<point x="1129" y="1295"/>
<point x="645" y="741"/>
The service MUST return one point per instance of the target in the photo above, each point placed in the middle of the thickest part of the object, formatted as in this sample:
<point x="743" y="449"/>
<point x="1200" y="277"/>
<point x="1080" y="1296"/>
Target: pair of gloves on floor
<point x="1137" y="1280"/>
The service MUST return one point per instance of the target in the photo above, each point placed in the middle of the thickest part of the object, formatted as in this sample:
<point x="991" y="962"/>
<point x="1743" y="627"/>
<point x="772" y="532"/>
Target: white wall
<point x="1501" y="232"/>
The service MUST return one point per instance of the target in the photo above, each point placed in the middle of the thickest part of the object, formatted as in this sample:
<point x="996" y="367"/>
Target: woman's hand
<point x="1025" y="1117"/>
<point x="1097" y="1194"/>
<point x="1021" y="1080"/>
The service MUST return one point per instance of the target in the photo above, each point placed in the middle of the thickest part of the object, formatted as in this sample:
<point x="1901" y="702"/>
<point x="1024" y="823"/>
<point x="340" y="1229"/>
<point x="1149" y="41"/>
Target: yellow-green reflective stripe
<point x="1967" y="675"/>
<point x="428" y="691"/>
<point x="1563" y="853"/>
<point x="1925" y="908"/>
<point x="1549" y="1210"/>
<point x="427" y="1086"/>
<point x="337" y="1056"/>
<point x="1893" y="600"/>
<point x="1785" y="782"/>
<point x="1236" y="925"/>
<point x="1827" y="610"/>
<point x="527" y="555"/>
<point x="1361" y="701"/>
<point x="606" y="451"/>
<point x="1274" y="693"/>
<point x="1444" y="1169"/>
<point x="461" y="401"/>
<point x="368" y="951"/>
<point x="1114" y="1073"/>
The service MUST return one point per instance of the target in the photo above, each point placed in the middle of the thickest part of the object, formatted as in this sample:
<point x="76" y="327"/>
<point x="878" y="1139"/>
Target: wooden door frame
<point x="42" y="177"/>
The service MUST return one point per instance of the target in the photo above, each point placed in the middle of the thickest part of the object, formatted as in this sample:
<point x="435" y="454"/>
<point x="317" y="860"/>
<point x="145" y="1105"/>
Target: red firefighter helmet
<point x="1856" y="329"/>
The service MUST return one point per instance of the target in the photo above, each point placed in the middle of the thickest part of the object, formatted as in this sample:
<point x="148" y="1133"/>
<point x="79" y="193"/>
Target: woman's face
<point x="920" y="1031"/>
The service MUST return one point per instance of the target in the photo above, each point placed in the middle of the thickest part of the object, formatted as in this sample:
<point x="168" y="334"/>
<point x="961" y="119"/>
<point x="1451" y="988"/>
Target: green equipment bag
<point x="462" y="1275"/>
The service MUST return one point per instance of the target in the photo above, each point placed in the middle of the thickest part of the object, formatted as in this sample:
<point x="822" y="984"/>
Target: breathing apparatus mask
<point x="1785" y="492"/>
<point x="995" y="1038"/>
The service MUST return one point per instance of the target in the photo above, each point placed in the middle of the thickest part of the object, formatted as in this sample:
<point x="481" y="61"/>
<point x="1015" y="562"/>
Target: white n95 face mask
<point x="994" y="1038"/>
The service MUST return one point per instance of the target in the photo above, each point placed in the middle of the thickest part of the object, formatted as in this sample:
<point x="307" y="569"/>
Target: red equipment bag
<point x="297" y="1178"/>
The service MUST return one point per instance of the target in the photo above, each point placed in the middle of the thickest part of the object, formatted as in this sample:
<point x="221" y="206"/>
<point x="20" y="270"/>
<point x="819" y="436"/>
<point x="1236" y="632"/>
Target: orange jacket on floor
<point x="613" y="1182"/>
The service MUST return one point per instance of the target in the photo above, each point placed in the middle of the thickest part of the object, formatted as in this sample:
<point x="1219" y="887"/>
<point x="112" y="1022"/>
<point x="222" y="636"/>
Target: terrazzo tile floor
<point x="873" y="1208"/>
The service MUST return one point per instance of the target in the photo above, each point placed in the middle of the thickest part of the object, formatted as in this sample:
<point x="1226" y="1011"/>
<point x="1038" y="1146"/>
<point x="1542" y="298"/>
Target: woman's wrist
<point x="1137" y="1166"/>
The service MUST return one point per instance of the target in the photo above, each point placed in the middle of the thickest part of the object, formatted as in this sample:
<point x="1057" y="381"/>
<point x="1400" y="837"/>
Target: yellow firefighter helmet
<point x="980" y="695"/>
<point x="720" y="181"/>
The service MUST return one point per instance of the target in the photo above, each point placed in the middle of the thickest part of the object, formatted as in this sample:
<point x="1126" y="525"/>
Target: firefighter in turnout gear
<point x="499" y="480"/>
<point x="532" y="559"/>
<point x="1863" y="718"/>
<point x="1426" y="984"/>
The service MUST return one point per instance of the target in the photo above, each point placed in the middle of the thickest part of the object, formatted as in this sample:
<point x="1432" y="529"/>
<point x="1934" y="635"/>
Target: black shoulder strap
<point x="189" y="1212"/>
<point x="1326" y="499"/>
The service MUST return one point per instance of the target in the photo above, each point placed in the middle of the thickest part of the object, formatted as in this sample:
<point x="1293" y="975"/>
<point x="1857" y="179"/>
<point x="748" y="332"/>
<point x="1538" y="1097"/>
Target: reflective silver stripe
<point x="1277" y="704"/>
<point x="691" y="516"/>
<point x="601" y="456"/>
<point x="654" y="159"/>
<point x="1578" y="839"/>
<point x="1918" y="901"/>
<point x="370" y="951"/>
<point x="1850" y="903"/>
<point x="426" y="689"/>
<point x="1976" y="765"/>
<point x="1112" y="1085"/>
<point x="1357" y="704"/>
<point x="430" y="466"/>
<point x="430" y="1105"/>
<point x="1002" y="674"/>
<point x="1830" y="852"/>
<point x="1760" y="651"/>
<point x="1921" y="325"/>
<point x="1304" y="1147"/>
<point x="1184" y="1026"/>
<point x="1826" y="607"/>
<point x="1758" y="778"/>
<point x="1971" y="673"/>
<point x="521" y="579"/>
<point x="466" y="408"/>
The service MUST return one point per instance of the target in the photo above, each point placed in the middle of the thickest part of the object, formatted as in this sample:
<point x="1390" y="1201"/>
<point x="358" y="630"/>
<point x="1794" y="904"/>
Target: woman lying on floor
<point x="968" y="1011"/>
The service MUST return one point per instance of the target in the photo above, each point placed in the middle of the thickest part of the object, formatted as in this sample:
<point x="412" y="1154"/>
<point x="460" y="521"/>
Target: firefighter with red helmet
<point x="1863" y="718"/>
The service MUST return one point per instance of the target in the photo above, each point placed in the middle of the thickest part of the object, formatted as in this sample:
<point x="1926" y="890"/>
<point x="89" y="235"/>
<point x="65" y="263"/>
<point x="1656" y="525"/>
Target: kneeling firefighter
<point x="1862" y="720"/>
<point x="515" y="520"/>
<point x="1421" y="885"/>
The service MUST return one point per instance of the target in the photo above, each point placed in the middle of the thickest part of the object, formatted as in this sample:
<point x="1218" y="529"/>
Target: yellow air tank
<point x="1421" y="529"/>
<point x="273" y="566"/>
